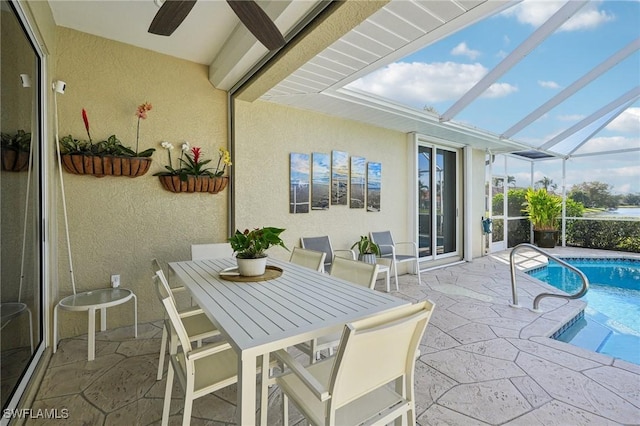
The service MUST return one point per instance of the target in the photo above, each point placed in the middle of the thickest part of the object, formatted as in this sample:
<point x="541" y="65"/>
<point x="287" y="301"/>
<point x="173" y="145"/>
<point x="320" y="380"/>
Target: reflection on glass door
<point x="424" y="201"/>
<point x="438" y="221"/>
<point x="20" y="207"/>
<point x="498" y="191"/>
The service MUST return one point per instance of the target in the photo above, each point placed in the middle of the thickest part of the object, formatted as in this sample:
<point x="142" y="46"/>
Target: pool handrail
<point x="536" y="300"/>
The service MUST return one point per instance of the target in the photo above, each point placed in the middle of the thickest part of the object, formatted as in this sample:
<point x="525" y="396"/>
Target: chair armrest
<point x="351" y="253"/>
<point x="207" y="350"/>
<point x="410" y="243"/>
<point x="307" y="378"/>
<point x="392" y="247"/>
<point x="191" y="312"/>
<point x="175" y="290"/>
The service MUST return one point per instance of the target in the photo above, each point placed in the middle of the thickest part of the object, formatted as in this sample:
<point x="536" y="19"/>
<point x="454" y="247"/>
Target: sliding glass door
<point x="438" y="201"/>
<point x="21" y="307"/>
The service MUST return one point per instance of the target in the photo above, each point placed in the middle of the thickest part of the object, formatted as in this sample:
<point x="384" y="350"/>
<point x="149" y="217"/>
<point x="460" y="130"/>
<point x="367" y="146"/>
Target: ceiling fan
<point x="173" y="12"/>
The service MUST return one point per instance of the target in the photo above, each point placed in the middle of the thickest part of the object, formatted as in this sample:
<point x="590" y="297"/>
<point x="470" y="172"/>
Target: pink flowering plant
<point x="191" y="162"/>
<point x="110" y="146"/>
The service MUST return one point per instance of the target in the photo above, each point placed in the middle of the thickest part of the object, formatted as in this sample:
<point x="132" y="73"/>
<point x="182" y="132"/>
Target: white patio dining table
<point x="260" y="317"/>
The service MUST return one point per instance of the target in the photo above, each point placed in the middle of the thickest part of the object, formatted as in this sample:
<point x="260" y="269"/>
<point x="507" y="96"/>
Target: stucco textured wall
<point x="118" y="224"/>
<point x="269" y="133"/>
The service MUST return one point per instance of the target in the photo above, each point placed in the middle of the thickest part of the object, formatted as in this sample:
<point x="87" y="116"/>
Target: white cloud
<point x="571" y="117"/>
<point x="419" y="84"/>
<point x="627" y="122"/>
<point x="535" y="13"/>
<point x="501" y="54"/>
<point x="548" y="84"/>
<point x="613" y="143"/>
<point x="463" y="50"/>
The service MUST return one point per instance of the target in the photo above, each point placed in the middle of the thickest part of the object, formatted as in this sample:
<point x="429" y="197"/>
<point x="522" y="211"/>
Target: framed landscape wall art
<point x="374" y="183"/>
<point x="339" y="177"/>
<point x="320" y="181"/>
<point x="299" y="183"/>
<point x="358" y="182"/>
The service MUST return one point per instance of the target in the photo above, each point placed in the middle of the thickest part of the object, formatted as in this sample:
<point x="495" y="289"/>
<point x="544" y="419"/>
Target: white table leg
<point x="55" y="328"/>
<point x="91" y="336"/>
<point x="103" y="319"/>
<point x="247" y="390"/>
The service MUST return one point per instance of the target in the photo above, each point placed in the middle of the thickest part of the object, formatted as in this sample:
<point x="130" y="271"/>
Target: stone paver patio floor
<point x="482" y="362"/>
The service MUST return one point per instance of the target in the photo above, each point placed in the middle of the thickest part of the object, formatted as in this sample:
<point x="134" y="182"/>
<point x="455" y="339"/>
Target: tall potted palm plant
<point x="543" y="209"/>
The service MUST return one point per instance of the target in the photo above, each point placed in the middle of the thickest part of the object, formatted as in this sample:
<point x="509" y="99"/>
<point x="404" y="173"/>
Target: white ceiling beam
<point x="538" y="36"/>
<point x="628" y="98"/>
<point x="574" y="88"/>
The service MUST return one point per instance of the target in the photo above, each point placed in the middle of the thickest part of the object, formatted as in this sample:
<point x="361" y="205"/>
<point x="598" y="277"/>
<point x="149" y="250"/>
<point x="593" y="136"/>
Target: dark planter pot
<point x="14" y="161"/>
<point x="212" y="185"/>
<point x="108" y="165"/>
<point x="545" y="239"/>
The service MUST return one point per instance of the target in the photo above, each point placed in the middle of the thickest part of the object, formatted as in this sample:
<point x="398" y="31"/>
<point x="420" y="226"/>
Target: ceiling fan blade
<point x="258" y="22"/>
<point x="170" y="16"/>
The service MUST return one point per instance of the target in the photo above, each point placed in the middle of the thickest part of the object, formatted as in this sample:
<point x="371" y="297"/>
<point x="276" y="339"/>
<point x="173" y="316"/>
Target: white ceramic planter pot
<point x="367" y="258"/>
<point x="251" y="267"/>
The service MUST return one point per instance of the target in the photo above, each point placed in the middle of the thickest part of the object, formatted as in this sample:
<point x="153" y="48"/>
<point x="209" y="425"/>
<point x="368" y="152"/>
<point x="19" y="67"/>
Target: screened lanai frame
<point x="513" y="136"/>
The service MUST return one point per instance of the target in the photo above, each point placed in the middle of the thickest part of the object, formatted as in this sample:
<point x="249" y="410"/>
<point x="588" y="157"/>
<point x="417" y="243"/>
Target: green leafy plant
<point x="366" y="246"/>
<point x="253" y="244"/>
<point x="21" y="141"/>
<point x="192" y="164"/>
<point x="543" y="209"/>
<point x="110" y="146"/>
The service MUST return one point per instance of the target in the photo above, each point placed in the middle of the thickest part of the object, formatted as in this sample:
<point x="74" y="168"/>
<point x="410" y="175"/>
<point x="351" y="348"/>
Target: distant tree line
<point x="611" y="235"/>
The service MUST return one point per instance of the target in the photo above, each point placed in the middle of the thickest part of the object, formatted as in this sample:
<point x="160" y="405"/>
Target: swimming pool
<point x="611" y="322"/>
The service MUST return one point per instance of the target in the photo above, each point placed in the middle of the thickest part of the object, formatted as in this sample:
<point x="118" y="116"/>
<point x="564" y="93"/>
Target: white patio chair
<point x="388" y="248"/>
<point x="352" y="388"/>
<point x="195" y="322"/>
<point x="323" y="244"/>
<point x="210" y="251"/>
<point x="308" y="258"/>
<point x="200" y="371"/>
<point x="356" y="272"/>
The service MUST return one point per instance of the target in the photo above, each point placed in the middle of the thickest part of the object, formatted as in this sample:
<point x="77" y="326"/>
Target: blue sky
<point x="440" y="74"/>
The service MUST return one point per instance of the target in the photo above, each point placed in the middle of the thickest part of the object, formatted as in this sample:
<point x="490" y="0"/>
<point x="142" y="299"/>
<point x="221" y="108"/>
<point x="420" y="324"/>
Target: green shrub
<point x="601" y="234"/>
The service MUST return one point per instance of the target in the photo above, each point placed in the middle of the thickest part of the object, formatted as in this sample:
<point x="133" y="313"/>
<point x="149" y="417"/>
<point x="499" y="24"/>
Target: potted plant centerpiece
<point x="15" y="151"/>
<point x="543" y="209"/>
<point x="108" y="157"/>
<point x="367" y="250"/>
<point x="250" y="247"/>
<point x="192" y="175"/>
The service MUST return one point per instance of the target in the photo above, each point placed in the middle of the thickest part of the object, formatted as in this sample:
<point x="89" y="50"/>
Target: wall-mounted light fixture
<point x="26" y="80"/>
<point x="59" y="86"/>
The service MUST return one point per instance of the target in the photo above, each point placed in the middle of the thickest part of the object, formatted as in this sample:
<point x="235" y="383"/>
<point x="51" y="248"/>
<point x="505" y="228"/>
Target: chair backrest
<point x="384" y="240"/>
<point x="161" y="290"/>
<point x="176" y="323"/>
<point x="354" y="271"/>
<point x="322" y="244"/>
<point x="210" y="251"/>
<point x="162" y="279"/>
<point x="377" y="350"/>
<point x="308" y="258"/>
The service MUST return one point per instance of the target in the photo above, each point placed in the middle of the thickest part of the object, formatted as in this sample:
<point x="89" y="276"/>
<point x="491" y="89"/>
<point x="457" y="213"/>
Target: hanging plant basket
<point x="108" y="165"/>
<point x="14" y="161"/>
<point x="209" y="184"/>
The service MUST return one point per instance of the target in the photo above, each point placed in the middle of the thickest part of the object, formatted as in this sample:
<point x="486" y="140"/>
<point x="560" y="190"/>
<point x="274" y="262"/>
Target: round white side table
<point x="90" y="301"/>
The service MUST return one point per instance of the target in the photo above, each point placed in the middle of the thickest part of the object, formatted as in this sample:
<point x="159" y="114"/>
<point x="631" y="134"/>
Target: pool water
<point x="611" y="322"/>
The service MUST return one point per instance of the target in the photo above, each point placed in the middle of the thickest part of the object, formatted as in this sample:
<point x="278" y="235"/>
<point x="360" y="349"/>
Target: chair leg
<point x="163" y="349"/>
<point x="395" y="272"/>
<point x="188" y="403"/>
<point x="418" y="272"/>
<point x="285" y="410"/>
<point x="167" y="396"/>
